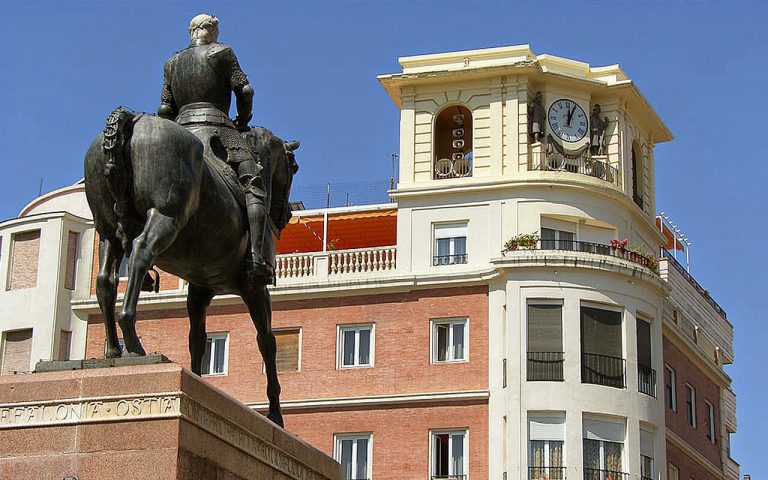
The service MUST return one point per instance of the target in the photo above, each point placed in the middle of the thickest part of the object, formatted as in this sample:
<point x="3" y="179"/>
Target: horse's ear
<point x="293" y="145"/>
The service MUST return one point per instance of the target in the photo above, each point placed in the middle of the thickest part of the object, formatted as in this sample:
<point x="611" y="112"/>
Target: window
<point x="603" y="448"/>
<point x="637" y="175"/>
<point x="546" y="434"/>
<point x="674" y="473"/>
<point x="545" y="341"/>
<point x="355" y="346"/>
<point x="690" y="403"/>
<point x="17" y="351"/>
<point x="453" y="143"/>
<point x="670" y="387"/>
<point x="25" y="253"/>
<point x="71" y="266"/>
<point x="216" y="353"/>
<point x="449" y="340"/>
<point x="646" y="454"/>
<point x="602" y="359"/>
<point x="354" y="453"/>
<point x="646" y="376"/>
<point x="728" y="434"/>
<point x="449" y="460"/>
<point x="450" y="244"/>
<point x="552" y="239"/>
<point x="288" y="350"/>
<point x="710" y="422"/>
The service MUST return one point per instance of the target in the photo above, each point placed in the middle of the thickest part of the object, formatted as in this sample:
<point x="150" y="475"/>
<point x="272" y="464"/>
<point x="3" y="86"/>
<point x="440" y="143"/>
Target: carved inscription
<point x="246" y="441"/>
<point x="85" y="411"/>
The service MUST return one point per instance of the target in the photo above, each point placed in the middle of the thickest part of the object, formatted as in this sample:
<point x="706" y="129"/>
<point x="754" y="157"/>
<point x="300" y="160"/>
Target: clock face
<point x="567" y="120"/>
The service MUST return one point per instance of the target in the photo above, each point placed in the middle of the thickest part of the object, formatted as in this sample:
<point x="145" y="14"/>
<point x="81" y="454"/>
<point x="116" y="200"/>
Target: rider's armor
<point x="197" y="91"/>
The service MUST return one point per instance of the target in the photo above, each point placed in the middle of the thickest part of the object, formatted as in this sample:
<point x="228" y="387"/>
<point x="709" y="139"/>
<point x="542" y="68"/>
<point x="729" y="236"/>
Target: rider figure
<point x="197" y="91"/>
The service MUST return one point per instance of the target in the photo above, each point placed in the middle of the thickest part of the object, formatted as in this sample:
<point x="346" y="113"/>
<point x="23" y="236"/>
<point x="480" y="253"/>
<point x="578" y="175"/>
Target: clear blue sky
<point x="703" y="66"/>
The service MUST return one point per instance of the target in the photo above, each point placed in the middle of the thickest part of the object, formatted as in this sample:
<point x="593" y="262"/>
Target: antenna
<point x="394" y="157"/>
<point x="40" y="189"/>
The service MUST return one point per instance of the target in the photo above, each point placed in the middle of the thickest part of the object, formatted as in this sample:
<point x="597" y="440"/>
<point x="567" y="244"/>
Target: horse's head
<point x="278" y="161"/>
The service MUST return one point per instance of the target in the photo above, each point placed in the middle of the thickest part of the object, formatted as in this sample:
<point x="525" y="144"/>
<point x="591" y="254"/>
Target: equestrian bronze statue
<point x="194" y="193"/>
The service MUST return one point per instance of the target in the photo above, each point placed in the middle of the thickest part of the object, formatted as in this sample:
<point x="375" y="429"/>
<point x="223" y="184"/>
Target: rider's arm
<point x="167" y="108"/>
<point x="243" y="90"/>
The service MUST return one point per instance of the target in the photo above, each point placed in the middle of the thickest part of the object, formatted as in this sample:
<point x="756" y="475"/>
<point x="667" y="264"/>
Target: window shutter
<point x="545" y="327"/>
<point x="69" y="275"/>
<point x="547" y="427"/>
<point x="65" y="343"/>
<point x="287" y="350"/>
<point x="17" y="351"/>
<point x="646" y="443"/>
<point x="605" y="430"/>
<point x="452" y="230"/>
<point x="24" y="260"/>
<point x="643" y="343"/>
<point x="601" y="332"/>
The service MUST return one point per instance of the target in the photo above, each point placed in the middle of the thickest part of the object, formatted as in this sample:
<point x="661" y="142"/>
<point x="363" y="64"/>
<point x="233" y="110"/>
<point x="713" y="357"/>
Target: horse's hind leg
<point x="198" y="299"/>
<point x="256" y="297"/>
<point x="110" y="256"/>
<point x="159" y="232"/>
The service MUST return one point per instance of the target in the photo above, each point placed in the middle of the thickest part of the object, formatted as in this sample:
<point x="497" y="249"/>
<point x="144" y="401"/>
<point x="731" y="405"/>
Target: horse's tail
<point x="117" y="135"/>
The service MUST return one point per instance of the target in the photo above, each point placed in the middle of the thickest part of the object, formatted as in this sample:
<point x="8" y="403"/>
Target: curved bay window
<point x="453" y="143"/>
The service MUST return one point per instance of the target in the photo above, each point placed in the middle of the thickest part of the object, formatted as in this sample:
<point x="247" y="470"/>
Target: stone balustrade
<point x="319" y="265"/>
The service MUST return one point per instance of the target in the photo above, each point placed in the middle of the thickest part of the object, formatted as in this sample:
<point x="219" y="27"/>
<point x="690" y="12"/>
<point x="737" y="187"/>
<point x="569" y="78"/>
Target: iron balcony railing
<point x="449" y="477"/>
<point x="545" y="366"/>
<point x="595" y="474"/>
<point x="546" y="473"/>
<point x="603" y="370"/>
<point x="646" y="380"/>
<point x="581" y="165"/>
<point x="449" y="259"/>
<point x="596" y="248"/>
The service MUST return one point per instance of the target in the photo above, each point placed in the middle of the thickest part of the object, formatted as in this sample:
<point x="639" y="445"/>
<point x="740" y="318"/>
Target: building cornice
<point x="571" y="181"/>
<point x="43" y="217"/>
<point x="694" y="454"/>
<point x="673" y="333"/>
<point x="352" y="285"/>
<point x="567" y="259"/>
<point x="378" y="400"/>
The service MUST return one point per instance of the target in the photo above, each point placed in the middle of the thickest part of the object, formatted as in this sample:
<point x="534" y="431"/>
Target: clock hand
<point x="570" y="115"/>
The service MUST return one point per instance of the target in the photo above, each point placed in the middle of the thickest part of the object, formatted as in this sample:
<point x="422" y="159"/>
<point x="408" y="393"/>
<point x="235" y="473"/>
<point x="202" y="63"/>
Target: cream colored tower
<point x="471" y="178"/>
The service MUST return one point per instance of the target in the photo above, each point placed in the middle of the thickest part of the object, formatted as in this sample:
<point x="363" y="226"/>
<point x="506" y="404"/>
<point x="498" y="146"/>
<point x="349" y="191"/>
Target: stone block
<point x="141" y="418"/>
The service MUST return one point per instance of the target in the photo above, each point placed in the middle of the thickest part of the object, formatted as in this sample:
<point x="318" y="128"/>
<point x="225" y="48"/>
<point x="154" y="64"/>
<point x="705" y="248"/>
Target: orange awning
<point x="669" y="237"/>
<point x="346" y="230"/>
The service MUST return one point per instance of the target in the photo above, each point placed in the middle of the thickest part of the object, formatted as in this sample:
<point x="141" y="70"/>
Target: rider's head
<point x="204" y="27"/>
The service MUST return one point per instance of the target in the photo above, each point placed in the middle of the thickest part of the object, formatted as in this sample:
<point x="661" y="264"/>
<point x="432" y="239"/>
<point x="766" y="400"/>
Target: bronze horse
<point x="159" y="196"/>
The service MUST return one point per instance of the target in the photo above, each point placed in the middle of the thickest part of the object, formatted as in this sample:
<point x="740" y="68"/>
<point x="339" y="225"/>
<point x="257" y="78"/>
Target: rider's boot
<point x="259" y="271"/>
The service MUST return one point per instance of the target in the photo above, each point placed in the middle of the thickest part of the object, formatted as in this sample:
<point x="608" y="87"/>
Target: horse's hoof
<point x="116" y="352"/>
<point x="276" y="418"/>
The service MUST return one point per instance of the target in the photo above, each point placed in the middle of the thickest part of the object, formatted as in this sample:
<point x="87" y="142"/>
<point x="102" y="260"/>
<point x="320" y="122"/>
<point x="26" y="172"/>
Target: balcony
<point x="646" y="380"/>
<point x="449" y="259"/>
<point x="702" y="291"/>
<point x="448" y="477"/>
<point x="595" y="474"/>
<point x="545" y="366"/>
<point x="546" y="473"/>
<point x="322" y="265"/>
<point x="603" y="370"/>
<point x="578" y="162"/>
<point x="597" y="249"/>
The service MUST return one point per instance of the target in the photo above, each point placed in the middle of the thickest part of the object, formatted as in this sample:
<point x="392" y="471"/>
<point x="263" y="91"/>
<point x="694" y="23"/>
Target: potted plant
<point x="526" y="241"/>
<point x="619" y="245"/>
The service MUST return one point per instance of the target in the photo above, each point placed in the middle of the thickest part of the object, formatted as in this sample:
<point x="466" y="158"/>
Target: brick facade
<point x="688" y="372"/>
<point x="400" y="435"/>
<point x="688" y="468"/>
<point x="401" y="354"/>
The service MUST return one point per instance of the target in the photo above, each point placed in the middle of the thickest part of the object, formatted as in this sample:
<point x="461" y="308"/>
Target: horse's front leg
<point x="260" y="307"/>
<point x="159" y="232"/>
<point x="110" y="256"/>
<point x="198" y="299"/>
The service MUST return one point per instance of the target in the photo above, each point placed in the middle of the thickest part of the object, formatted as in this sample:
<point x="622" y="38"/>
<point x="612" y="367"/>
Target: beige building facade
<point x="514" y="314"/>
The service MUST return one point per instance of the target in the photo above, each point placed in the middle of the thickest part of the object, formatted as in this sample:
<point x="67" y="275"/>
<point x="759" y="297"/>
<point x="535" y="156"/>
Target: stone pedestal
<point x="153" y="420"/>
